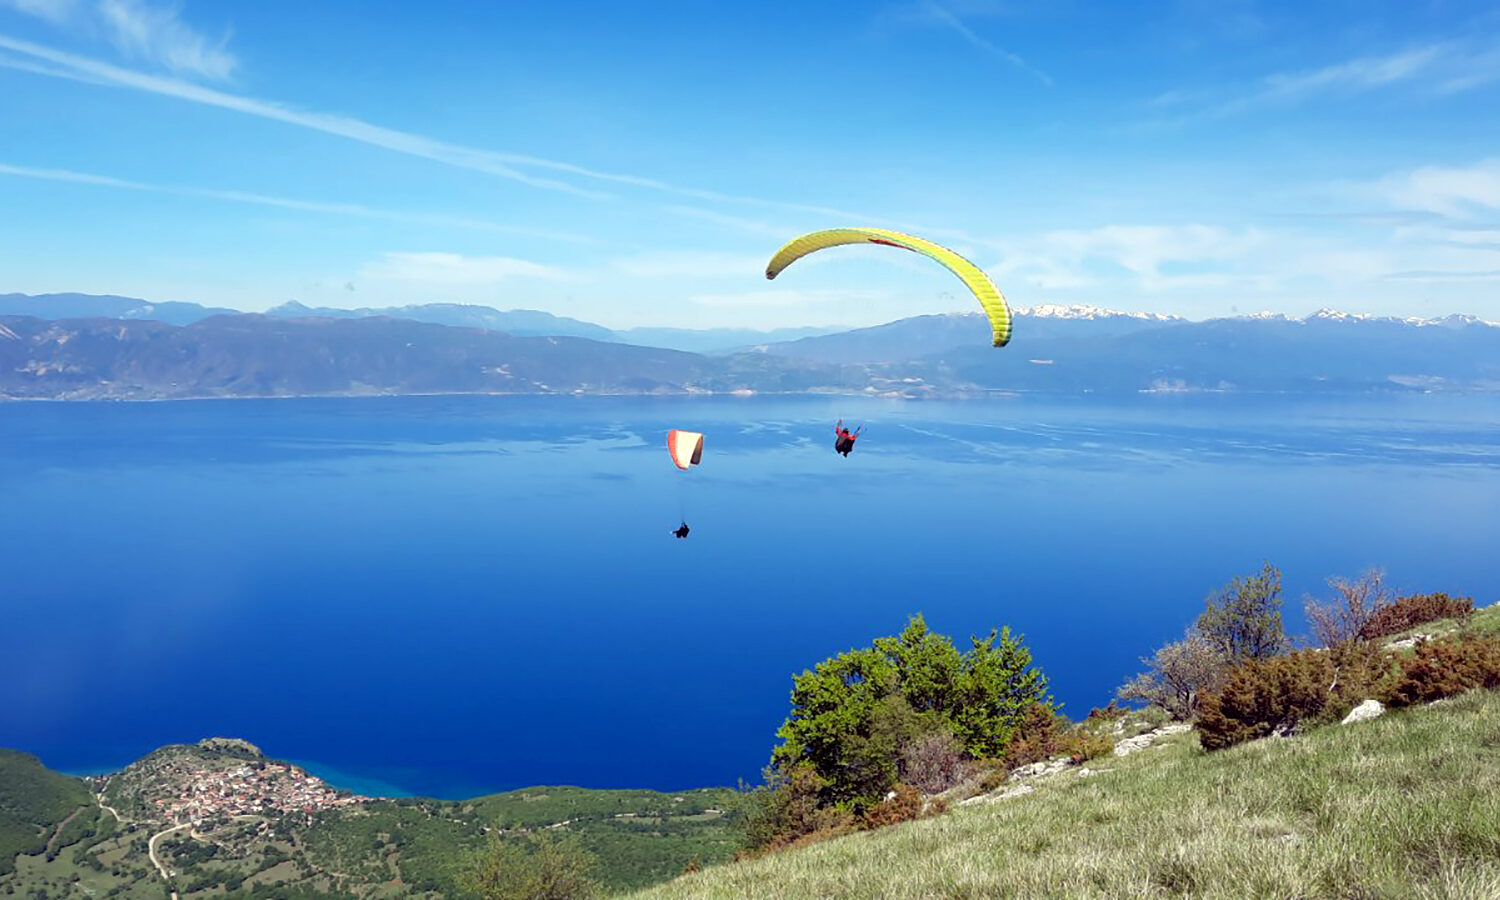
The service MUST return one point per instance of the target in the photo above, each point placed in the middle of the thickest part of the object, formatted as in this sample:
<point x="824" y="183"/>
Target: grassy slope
<point x="1405" y="806"/>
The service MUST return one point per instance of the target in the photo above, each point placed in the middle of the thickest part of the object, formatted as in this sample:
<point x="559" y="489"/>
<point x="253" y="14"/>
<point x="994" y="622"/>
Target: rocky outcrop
<point x="1370" y="709"/>
<point x="1142" y="741"/>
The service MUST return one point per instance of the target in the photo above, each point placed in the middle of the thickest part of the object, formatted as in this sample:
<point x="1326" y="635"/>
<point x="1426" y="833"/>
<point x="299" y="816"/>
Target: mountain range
<point x="73" y="346"/>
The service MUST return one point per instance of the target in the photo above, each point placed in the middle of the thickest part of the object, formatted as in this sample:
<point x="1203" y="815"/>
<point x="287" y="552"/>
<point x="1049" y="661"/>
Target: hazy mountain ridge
<point x="1053" y="349"/>
<point x="1101" y="351"/>
<point x="87" y="306"/>
<point x="259" y="356"/>
<point x="516" y="322"/>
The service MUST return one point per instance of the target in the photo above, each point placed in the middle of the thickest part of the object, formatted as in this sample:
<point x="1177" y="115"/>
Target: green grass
<point x="1406" y="806"/>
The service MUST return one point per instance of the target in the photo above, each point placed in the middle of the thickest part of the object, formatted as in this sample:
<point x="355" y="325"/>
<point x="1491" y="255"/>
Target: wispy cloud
<point x="1445" y="275"/>
<point x="454" y="269"/>
<point x="942" y="16"/>
<point x="750" y="226"/>
<point x="690" y="264"/>
<point x="1357" y="74"/>
<point x="1442" y="67"/>
<point x="139" y="30"/>
<point x="155" y="34"/>
<point x="502" y="164"/>
<point x="1150" y="252"/>
<point x="314" y="206"/>
<point x="58" y="12"/>
<point x="1458" y="192"/>
<point x="779" y="298"/>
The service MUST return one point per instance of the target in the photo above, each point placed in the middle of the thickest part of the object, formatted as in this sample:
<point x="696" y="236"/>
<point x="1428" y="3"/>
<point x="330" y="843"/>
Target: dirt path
<point x="151" y="851"/>
<point x="58" y="833"/>
<point x="99" y="799"/>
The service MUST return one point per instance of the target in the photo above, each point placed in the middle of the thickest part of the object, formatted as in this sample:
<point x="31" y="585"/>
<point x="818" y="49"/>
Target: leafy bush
<point x="853" y="714"/>
<point x="1417" y="609"/>
<point x="1242" y="620"/>
<point x="537" y="867"/>
<point x="1262" y="696"/>
<point x="1441" y="669"/>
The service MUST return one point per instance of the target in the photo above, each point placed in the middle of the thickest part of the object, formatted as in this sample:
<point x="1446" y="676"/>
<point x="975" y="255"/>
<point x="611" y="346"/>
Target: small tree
<point x="1354" y="604"/>
<point x="534" y="867"/>
<point x="1178" y="675"/>
<point x="1243" y="619"/>
<point x="853" y="714"/>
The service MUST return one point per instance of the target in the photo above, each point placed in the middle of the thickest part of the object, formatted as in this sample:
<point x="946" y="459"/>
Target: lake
<point x="458" y="595"/>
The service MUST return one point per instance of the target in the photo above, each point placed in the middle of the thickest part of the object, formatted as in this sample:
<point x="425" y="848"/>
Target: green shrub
<point x="1444" y="668"/>
<point x="1242" y="620"/>
<point x="853" y="714"/>
<point x="537" y="867"/>
<point x="1261" y="696"/>
<point x="1418" y="609"/>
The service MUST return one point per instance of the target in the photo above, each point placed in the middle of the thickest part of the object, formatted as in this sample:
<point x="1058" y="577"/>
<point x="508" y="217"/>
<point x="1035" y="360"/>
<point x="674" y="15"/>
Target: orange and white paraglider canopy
<point x="686" y="448"/>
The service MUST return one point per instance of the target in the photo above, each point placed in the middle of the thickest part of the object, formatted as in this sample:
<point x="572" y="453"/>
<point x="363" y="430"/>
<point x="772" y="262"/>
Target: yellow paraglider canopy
<point x="971" y="275"/>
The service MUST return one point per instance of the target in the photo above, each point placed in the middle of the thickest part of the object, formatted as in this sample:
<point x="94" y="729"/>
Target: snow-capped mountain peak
<point x="1084" y="311"/>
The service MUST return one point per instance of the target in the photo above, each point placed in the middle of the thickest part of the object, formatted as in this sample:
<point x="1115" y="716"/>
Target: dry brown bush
<point x="1417" y="609"/>
<point x="905" y="806"/>
<point x="1444" y="668"/>
<point x="1262" y="696"/>
<point x="935" y="762"/>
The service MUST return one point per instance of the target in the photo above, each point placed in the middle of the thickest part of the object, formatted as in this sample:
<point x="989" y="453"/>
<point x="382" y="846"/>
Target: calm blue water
<point x="461" y="595"/>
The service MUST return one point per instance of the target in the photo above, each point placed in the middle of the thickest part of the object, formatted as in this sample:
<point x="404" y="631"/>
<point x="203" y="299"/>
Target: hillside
<point x="1407" y="805"/>
<point x="220" y="819"/>
<point x="34" y="802"/>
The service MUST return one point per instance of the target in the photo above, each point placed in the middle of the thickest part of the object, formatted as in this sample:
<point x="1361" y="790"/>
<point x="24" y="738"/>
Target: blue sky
<point x="637" y="164"/>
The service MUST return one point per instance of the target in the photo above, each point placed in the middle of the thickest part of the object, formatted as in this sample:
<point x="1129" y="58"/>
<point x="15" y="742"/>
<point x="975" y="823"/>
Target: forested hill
<point x="252" y="355"/>
<point x="219" y="819"/>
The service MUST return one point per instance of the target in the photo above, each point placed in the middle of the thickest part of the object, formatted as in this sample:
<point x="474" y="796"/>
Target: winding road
<point x="151" y="851"/>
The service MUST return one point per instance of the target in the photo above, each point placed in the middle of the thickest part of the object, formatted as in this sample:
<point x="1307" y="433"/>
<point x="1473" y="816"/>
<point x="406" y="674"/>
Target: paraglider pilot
<point x="844" y="438"/>
<point x="683" y="531"/>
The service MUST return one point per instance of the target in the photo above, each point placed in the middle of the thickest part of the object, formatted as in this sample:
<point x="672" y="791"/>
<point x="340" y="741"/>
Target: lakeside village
<point x="189" y="790"/>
